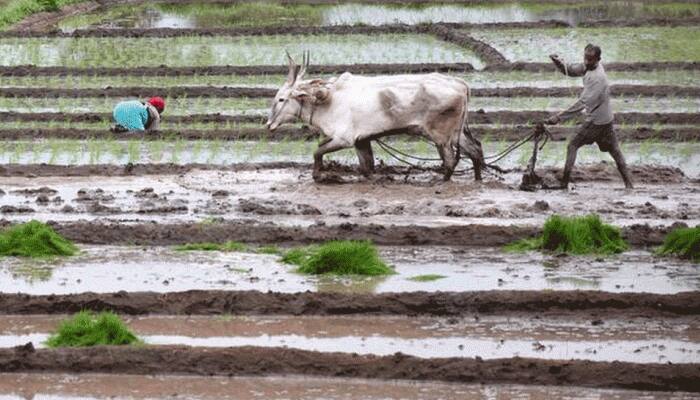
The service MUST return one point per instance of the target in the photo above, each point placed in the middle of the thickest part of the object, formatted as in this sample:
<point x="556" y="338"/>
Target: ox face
<point x="286" y="106"/>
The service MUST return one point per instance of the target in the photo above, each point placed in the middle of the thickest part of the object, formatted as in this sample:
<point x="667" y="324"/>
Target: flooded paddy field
<point x="635" y="340"/>
<point x="457" y="317"/>
<point x="682" y="155"/>
<point x="153" y="16"/>
<point x="107" y="269"/>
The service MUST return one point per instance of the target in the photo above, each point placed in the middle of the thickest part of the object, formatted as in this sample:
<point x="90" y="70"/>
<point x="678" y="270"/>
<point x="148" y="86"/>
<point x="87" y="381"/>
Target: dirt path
<point x="273" y="361"/>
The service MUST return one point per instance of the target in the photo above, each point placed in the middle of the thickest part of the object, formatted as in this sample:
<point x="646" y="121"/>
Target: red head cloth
<point x="158" y="103"/>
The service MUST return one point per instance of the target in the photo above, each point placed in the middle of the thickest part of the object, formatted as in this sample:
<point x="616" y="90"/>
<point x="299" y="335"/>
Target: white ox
<point x="352" y="110"/>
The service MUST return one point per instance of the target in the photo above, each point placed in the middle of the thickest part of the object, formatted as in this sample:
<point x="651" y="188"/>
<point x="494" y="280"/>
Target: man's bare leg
<point x="571" y="151"/>
<point x="616" y="154"/>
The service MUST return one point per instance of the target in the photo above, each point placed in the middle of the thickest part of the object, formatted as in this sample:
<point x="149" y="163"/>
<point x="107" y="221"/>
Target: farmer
<point x="134" y="115"/>
<point x="598" y="125"/>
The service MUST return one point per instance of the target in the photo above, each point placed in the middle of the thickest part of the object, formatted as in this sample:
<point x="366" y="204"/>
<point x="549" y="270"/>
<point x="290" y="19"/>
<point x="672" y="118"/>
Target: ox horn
<point x="306" y="59"/>
<point x="293" y="69"/>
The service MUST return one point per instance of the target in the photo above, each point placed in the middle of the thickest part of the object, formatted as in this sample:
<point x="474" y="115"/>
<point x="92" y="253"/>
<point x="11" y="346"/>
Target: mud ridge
<point x="30" y="70"/>
<point x="226" y="92"/>
<point x="510" y="133"/>
<point x="251" y="302"/>
<point x="614" y="66"/>
<point x="280" y="361"/>
<point x="251" y="231"/>
<point x="475" y="117"/>
<point x="44" y="20"/>
<point x="487" y="53"/>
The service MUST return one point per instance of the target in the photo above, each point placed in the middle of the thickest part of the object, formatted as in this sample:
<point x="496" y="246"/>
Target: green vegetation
<point x="228" y="246"/>
<point x="88" y="329"/>
<point x="343" y="257"/>
<point x="269" y="250"/>
<point x="684" y="243"/>
<point x="92" y="52"/>
<point x="34" y="239"/>
<point x="574" y="235"/>
<point x="426" y="278"/>
<point x="625" y="44"/>
<point x="14" y="11"/>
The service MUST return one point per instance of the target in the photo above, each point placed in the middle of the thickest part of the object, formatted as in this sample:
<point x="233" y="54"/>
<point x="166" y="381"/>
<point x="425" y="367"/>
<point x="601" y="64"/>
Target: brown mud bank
<point x="475" y="117"/>
<point x="274" y="361"/>
<point x="509" y="133"/>
<point x="30" y="70"/>
<point x="577" y="303"/>
<point x="36" y="25"/>
<point x="251" y="231"/>
<point x="233" y="92"/>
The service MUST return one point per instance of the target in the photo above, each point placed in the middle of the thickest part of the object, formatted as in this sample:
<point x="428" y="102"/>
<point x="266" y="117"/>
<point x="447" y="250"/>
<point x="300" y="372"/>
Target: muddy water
<point x="634" y="339"/>
<point x="290" y="197"/>
<point x="96" y="386"/>
<point x="110" y="269"/>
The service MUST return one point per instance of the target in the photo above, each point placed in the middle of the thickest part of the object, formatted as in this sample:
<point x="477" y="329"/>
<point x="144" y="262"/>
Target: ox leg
<point x="449" y="159"/>
<point x="324" y="148"/>
<point x="365" y="156"/>
<point x="472" y="148"/>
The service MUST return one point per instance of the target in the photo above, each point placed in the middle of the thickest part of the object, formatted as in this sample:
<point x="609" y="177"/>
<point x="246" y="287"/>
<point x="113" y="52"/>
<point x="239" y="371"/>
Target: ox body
<point x="352" y="110"/>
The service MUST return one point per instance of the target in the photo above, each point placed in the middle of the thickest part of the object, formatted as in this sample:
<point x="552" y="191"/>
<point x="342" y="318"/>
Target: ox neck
<point x="308" y="109"/>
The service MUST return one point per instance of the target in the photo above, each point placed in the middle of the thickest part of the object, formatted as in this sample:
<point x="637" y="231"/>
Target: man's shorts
<point x="603" y="135"/>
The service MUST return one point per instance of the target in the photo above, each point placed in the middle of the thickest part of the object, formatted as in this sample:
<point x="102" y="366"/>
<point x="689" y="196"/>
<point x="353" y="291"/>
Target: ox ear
<point x="300" y="94"/>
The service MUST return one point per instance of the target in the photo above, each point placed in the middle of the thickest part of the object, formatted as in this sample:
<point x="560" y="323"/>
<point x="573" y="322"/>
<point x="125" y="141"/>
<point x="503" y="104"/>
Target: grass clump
<point x="228" y="246"/>
<point x="574" y="235"/>
<point x="34" y="239"/>
<point x="682" y="242"/>
<point x="426" y="278"/>
<point x="88" y="329"/>
<point x="342" y="257"/>
<point x="269" y="250"/>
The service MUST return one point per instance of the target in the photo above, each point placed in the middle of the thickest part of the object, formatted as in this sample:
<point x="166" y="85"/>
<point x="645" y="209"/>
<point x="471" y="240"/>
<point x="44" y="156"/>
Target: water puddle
<point x="634" y="340"/>
<point x="48" y="386"/>
<point x="108" y="269"/>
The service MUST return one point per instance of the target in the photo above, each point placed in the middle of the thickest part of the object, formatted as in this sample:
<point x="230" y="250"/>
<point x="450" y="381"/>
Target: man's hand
<point x="555" y="58"/>
<point x="553" y="120"/>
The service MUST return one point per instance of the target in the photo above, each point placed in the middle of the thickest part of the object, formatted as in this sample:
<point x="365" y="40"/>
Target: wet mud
<point x="485" y="337"/>
<point x="486" y="52"/>
<point x="233" y="92"/>
<point x="36" y="25"/>
<point x="215" y="302"/>
<point x="273" y="361"/>
<point x="613" y="66"/>
<point x="475" y="117"/>
<point x="508" y="133"/>
<point x="89" y="386"/>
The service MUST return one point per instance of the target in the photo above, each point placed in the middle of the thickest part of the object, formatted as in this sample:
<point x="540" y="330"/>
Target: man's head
<point x="591" y="56"/>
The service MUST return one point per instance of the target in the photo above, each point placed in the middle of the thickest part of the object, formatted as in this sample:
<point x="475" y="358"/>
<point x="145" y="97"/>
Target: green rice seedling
<point x="682" y="242"/>
<point x="342" y="257"/>
<point x="269" y="250"/>
<point x="155" y="148"/>
<point x="88" y="329"/>
<point x="133" y="149"/>
<point x="34" y="239"/>
<point x="426" y="278"/>
<point x="177" y="149"/>
<point x="197" y="150"/>
<point x="227" y="246"/>
<point x="574" y="235"/>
